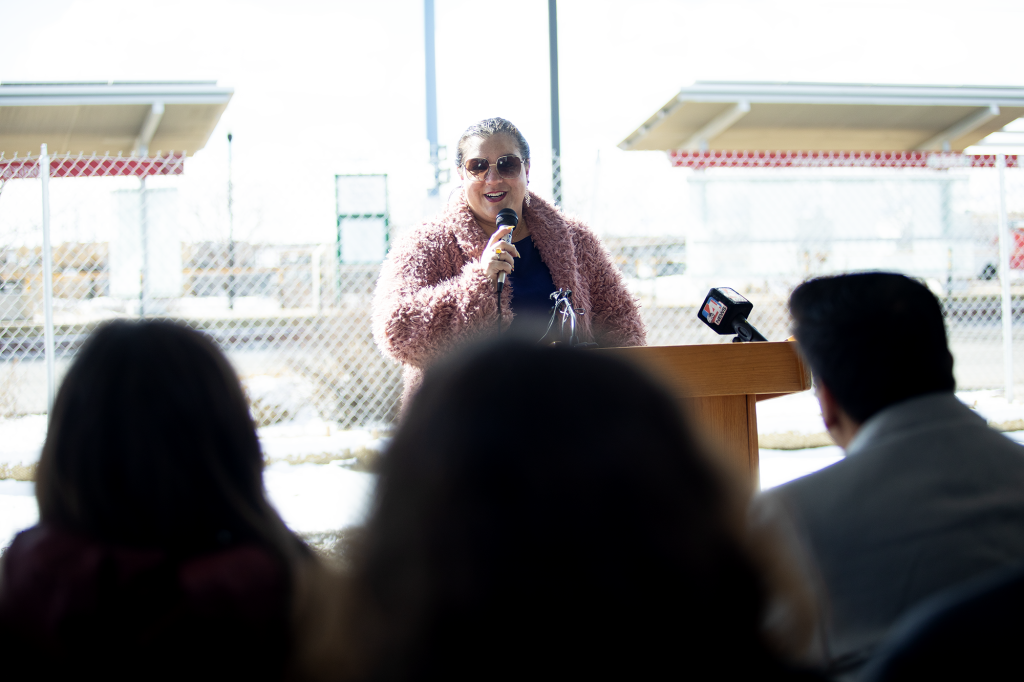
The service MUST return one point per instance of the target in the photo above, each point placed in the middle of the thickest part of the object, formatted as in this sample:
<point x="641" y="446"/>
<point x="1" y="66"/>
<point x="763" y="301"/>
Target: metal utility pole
<point x="231" y="234"/>
<point x="428" y="43"/>
<point x="556" y="142"/>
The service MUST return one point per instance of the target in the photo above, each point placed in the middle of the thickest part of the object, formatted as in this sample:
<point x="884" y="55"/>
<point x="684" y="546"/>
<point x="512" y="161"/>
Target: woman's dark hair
<point x="549" y="510"/>
<point x="485" y="129"/>
<point x="151" y="444"/>
<point x="874" y="338"/>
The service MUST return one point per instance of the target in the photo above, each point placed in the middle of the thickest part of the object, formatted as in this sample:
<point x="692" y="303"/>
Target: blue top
<point x="531" y="282"/>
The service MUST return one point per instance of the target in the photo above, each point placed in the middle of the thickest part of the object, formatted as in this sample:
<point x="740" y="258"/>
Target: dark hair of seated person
<point x="157" y="546"/>
<point x="875" y="339"/>
<point x="548" y="512"/>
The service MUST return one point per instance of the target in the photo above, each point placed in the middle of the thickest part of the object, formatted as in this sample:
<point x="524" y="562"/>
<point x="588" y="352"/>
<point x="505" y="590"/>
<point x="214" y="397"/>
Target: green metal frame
<point x="386" y="215"/>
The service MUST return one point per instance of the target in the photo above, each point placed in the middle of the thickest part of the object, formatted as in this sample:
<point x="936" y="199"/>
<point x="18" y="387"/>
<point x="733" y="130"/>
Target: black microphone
<point x="725" y="311"/>
<point x="506" y="218"/>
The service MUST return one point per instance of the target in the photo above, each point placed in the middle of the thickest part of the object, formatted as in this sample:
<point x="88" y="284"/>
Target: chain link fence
<point x="556" y="178"/>
<point x="763" y="225"/>
<point x="295" y="318"/>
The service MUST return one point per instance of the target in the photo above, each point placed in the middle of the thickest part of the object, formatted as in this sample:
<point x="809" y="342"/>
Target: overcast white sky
<point x="338" y="87"/>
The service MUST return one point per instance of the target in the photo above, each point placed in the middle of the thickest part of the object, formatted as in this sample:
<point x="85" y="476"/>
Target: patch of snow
<point x="18" y="509"/>
<point x="21" y="439"/>
<point x="311" y="498"/>
<point x="1016" y="436"/>
<point x="793" y="413"/>
<point x="18" y="488"/>
<point x="316" y="437"/>
<point x="800" y="412"/>
<point x="781" y="466"/>
<point x="316" y="498"/>
<point x="993" y="406"/>
<point x="285" y="398"/>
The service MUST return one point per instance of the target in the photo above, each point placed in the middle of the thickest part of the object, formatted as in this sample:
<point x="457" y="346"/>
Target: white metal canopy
<point x="110" y="117"/>
<point x="736" y="116"/>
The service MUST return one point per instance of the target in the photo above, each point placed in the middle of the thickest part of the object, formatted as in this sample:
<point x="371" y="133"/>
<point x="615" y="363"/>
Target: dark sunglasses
<point x="509" y="166"/>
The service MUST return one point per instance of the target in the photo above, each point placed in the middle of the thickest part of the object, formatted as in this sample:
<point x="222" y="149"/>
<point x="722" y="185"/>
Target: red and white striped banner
<point x="93" y="166"/>
<point x="790" y="159"/>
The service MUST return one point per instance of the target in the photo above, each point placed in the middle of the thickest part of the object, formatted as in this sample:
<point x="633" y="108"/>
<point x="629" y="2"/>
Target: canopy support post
<point x="48" y="345"/>
<point x="1004" y="280"/>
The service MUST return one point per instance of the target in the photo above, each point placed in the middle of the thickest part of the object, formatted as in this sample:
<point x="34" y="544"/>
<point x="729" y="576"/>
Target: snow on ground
<point x="307" y="476"/>
<point x="21" y="439"/>
<point x="993" y="407"/>
<point x="316" y="498"/>
<point x="18" y="508"/>
<point x="309" y="480"/>
<point x="279" y="398"/>
<point x="317" y="494"/>
<point x="799" y="413"/>
<point x="314" y="440"/>
<point x="311" y="498"/>
<point x="780" y="466"/>
<point x="793" y="413"/>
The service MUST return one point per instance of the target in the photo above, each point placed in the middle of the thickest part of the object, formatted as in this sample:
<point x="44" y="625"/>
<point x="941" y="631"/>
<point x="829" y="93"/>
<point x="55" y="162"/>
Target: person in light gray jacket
<point x="928" y="496"/>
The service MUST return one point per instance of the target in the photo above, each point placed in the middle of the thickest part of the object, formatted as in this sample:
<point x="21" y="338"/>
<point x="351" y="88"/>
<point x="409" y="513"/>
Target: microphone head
<point x="506" y="218"/>
<point x="721" y="307"/>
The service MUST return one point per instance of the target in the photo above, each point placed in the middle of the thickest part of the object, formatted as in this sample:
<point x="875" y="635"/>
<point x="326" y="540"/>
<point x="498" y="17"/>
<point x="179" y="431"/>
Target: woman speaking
<point x="438" y="286"/>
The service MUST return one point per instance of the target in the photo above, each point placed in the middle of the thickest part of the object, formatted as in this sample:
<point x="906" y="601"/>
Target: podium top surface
<point x="723" y="368"/>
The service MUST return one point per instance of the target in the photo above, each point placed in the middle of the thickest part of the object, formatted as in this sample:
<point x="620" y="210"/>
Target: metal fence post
<point x="144" y="245"/>
<point x="317" y="256"/>
<point x="1004" y="280"/>
<point x="556" y="135"/>
<point x="431" y="76"/>
<point x="231" y="231"/>
<point x="44" y="175"/>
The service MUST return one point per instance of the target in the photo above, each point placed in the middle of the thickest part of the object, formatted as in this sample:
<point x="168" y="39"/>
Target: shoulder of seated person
<point x="246" y="578"/>
<point x="933" y="415"/>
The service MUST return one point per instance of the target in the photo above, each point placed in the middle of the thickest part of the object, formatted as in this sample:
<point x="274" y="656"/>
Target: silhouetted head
<point x="549" y="510"/>
<point x="874" y="339"/>
<point x="151" y="445"/>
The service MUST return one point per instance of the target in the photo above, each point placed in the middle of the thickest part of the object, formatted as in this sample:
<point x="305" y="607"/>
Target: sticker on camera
<point x="713" y="311"/>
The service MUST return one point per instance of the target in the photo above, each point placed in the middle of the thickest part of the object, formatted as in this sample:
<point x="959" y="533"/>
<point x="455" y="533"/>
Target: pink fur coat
<point x="432" y="294"/>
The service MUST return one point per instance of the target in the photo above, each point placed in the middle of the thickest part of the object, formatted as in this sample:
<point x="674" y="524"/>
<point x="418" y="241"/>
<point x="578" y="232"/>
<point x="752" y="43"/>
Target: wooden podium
<point x="719" y="385"/>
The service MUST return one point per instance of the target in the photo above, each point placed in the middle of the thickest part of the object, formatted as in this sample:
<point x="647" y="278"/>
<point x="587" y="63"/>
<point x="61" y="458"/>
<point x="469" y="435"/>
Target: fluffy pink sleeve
<point x="615" y="313"/>
<point x="430" y="297"/>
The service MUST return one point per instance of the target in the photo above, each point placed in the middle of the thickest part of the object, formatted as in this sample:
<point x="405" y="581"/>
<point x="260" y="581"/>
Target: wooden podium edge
<point x="697" y="371"/>
<point x="719" y="383"/>
<point x="753" y="449"/>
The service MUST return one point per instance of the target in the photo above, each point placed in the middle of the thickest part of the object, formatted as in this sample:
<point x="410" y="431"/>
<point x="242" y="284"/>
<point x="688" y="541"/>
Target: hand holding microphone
<point x="497" y="257"/>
